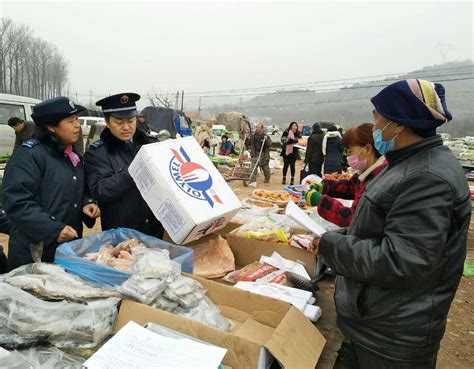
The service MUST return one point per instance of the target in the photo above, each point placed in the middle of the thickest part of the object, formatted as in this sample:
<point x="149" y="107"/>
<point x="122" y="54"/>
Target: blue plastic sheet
<point x="70" y="255"/>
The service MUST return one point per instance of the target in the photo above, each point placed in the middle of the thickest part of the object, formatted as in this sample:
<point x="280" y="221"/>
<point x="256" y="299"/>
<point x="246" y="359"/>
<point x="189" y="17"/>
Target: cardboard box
<point x="261" y="326"/>
<point x="248" y="250"/>
<point x="183" y="188"/>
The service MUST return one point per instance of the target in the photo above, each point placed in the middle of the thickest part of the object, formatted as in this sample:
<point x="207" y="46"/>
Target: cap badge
<point x="124" y="99"/>
<point x="72" y="104"/>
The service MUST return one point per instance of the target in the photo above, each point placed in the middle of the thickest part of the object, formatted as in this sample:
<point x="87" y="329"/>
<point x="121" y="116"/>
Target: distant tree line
<point x="29" y="66"/>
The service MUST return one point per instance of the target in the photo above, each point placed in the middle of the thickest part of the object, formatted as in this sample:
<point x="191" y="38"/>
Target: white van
<point x="13" y="106"/>
<point x="88" y="122"/>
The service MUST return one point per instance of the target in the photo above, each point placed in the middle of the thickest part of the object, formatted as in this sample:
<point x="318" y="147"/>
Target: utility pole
<point x="90" y="99"/>
<point x="177" y="99"/>
<point x="444" y="48"/>
<point x="182" y="99"/>
<point x="199" y="107"/>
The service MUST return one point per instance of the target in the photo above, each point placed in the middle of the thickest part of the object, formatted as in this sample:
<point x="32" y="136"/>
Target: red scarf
<point x="72" y="155"/>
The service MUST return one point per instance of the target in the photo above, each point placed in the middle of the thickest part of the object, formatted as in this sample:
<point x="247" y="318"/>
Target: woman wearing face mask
<point x="107" y="162"/>
<point x="361" y="156"/>
<point x="43" y="186"/>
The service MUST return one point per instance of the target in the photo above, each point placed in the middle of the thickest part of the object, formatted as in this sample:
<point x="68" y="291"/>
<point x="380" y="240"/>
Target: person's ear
<point x="52" y="129"/>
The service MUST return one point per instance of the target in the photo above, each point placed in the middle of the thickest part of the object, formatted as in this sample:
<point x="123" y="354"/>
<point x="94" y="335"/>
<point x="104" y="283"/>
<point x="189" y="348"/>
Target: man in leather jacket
<point x="400" y="261"/>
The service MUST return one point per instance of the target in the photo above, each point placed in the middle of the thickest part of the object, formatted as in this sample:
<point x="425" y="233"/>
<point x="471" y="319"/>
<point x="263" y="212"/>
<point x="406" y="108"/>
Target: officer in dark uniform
<point x="107" y="162"/>
<point x="4" y="228"/>
<point x="43" y="186"/>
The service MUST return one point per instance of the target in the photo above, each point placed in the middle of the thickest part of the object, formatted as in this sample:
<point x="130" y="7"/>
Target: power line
<point x="326" y="101"/>
<point x="329" y="80"/>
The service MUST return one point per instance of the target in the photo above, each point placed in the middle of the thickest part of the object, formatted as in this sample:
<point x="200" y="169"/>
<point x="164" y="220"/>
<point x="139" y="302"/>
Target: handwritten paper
<point x="300" y="217"/>
<point x="135" y="347"/>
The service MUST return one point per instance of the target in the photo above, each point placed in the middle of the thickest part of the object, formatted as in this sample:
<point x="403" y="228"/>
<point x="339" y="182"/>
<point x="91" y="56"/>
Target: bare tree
<point x="29" y="66"/>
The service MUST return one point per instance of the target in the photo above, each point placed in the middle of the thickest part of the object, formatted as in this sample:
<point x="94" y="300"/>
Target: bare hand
<point x="91" y="210"/>
<point x="314" y="248"/>
<point x="68" y="233"/>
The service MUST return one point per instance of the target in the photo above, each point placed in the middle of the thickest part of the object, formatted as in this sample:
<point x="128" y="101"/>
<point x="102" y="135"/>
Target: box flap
<point x="296" y="343"/>
<point x="255" y="332"/>
<point x="241" y="352"/>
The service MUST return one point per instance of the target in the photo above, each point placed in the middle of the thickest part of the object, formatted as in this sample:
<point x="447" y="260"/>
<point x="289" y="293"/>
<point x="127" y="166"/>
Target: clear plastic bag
<point x="265" y="228"/>
<point x="41" y="358"/>
<point x="52" y="282"/>
<point x="63" y="324"/>
<point x="70" y="255"/>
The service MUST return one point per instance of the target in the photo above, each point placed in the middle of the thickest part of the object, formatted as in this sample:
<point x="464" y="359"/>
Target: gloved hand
<point x="313" y="197"/>
<point x="319" y="187"/>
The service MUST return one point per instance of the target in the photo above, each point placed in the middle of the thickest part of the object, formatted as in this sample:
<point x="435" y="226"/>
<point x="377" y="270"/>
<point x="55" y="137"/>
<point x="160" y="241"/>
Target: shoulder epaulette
<point x="30" y="143"/>
<point x="97" y="144"/>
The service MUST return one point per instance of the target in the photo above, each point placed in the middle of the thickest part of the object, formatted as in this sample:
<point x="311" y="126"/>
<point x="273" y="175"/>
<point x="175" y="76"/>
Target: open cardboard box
<point x="248" y="250"/>
<point x="261" y="325"/>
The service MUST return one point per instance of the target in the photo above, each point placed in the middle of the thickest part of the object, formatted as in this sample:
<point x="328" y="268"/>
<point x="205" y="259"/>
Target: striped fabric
<point x="426" y="92"/>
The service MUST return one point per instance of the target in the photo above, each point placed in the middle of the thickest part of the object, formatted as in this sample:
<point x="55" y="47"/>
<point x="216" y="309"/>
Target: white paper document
<point x="303" y="219"/>
<point x="280" y="262"/>
<point x="135" y="347"/>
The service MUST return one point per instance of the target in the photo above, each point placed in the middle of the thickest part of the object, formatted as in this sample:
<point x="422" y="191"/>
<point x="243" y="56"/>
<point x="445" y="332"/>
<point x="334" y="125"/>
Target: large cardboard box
<point x="260" y="326"/>
<point x="183" y="188"/>
<point x="248" y="250"/>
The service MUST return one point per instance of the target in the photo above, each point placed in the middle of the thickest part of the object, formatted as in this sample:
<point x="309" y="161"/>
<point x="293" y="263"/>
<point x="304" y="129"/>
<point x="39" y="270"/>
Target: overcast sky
<point x="115" y="47"/>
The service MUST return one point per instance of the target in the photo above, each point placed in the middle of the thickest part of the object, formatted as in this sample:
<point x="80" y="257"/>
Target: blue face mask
<point x="383" y="147"/>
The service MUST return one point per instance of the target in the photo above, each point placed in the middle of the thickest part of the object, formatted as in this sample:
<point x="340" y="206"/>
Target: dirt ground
<point x="457" y="346"/>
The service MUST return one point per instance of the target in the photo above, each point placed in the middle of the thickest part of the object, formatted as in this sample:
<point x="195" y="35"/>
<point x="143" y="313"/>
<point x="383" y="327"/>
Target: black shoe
<point x="292" y="182"/>
<point x="283" y="182"/>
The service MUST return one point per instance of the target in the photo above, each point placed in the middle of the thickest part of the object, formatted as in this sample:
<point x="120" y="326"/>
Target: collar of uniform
<point x="54" y="146"/>
<point x="396" y="156"/>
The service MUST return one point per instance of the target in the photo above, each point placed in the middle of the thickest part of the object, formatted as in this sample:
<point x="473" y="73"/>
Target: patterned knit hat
<point x="415" y="103"/>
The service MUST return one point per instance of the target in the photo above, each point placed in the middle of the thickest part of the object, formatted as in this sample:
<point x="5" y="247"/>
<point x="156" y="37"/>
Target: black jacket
<point x="314" y="149"/>
<point x="333" y="158"/>
<point x="43" y="192"/>
<point x="109" y="182"/>
<point x="295" y="155"/>
<point x="4" y="222"/>
<point x="400" y="261"/>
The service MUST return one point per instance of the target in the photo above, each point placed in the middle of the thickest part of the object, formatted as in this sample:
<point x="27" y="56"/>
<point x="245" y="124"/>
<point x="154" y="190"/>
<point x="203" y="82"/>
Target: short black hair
<point x="13" y="121"/>
<point x="226" y="137"/>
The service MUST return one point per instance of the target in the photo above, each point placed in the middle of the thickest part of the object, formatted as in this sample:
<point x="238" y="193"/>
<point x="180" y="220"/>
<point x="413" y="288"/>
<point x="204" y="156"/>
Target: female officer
<point x="43" y="186"/>
<point x="107" y="162"/>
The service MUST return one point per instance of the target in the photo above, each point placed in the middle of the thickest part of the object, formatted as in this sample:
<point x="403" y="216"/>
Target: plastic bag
<point x="309" y="180"/>
<point x="70" y="255"/>
<point x="275" y="235"/>
<point x="41" y="358"/>
<point x="268" y="227"/>
<point x="52" y="282"/>
<point x="63" y="324"/>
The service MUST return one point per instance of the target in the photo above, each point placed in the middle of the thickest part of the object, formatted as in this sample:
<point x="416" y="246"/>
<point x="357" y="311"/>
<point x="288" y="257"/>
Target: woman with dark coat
<point x="43" y="187"/>
<point x="289" y="152"/>
<point x="107" y="162"/>
<point x="314" y="150"/>
<point x="332" y="151"/>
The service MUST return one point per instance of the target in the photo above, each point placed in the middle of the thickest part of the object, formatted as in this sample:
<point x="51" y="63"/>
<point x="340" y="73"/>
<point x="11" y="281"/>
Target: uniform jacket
<point x="25" y="135"/>
<point x="400" y="261"/>
<point x="109" y="182"/>
<point x="331" y="209"/>
<point x="43" y="192"/>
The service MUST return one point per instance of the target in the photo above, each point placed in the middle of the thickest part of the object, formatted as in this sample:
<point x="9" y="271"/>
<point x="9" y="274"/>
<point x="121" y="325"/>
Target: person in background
<point x="289" y="152"/>
<point x="364" y="158"/>
<point x="24" y="131"/>
<point x="107" y="161"/>
<point x="4" y="228"/>
<point x="261" y="143"/>
<point x="227" y="148"/>
<point x="400" y="261"/>
<point x="314" y="157"/>
<point x="142" y="124"/>
<point x="44" y="194"/>
<point x="332" y="151"/>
